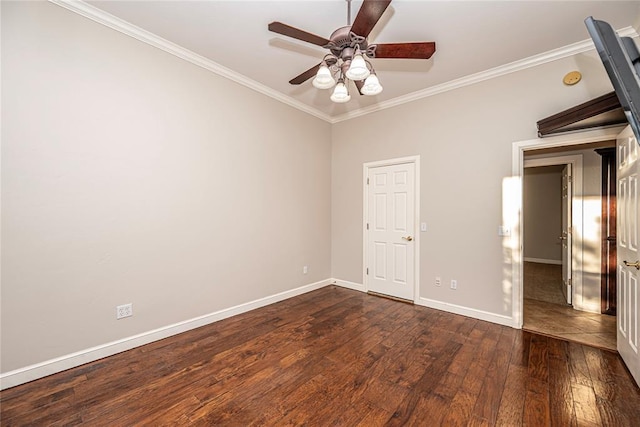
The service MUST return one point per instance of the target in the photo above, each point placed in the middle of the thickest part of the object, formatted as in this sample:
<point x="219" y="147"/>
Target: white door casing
<point x="628" y="248"/>
<point x="566" y="236"/>
<point x="390" y="240"/>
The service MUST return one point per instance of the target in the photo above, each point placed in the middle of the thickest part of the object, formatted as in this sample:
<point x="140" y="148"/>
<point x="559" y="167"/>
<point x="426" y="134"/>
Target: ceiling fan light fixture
<point x="350" y="52"/>
<point x="371" y="86"/>
<point x="358" y="69"/>
<point x="340" y="93"/>
<point x="323" y="79"/>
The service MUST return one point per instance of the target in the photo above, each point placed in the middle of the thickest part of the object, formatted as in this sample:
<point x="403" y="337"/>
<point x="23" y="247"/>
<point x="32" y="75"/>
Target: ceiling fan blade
<point x="368" y="16"/>
<point x="418" y="50"/>
<point x="359" y="84"/>
<point x="289" y="31"/>
<point x="301" y="78"/>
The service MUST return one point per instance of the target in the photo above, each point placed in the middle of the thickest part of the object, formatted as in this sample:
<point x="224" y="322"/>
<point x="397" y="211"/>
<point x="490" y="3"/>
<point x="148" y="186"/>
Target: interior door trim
<point x="365" y="214"/>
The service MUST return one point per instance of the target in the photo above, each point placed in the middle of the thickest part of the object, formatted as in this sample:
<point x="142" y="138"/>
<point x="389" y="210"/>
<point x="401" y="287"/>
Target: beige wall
<point x="129" y="175"/>
<point x="542" y="213"/>
<point x="464" y="138"/>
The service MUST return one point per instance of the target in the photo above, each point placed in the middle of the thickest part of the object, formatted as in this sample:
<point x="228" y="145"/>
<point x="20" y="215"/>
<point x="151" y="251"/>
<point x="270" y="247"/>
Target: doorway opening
<point x="547" y="300"/>
<point x="548" y="268"/>
<point x="553" y="208"/>
<point x="560" y="249"/>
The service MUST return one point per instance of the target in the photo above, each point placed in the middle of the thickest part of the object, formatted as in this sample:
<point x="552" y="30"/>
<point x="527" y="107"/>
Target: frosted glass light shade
<point x="323" y="79"/>
<point x="340" y="93"/>
<point x="371" y="86"/>
<point x="358" y="69"/>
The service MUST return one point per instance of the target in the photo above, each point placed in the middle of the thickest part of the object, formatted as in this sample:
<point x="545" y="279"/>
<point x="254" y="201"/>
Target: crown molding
<point x="113" y="22"/>
<point x="104" y="18"/>
<point x="532" y="61"/>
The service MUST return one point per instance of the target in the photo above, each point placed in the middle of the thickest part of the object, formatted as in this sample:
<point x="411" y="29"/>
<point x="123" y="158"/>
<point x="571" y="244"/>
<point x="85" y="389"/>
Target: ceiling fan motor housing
<point x="343" y="42"/>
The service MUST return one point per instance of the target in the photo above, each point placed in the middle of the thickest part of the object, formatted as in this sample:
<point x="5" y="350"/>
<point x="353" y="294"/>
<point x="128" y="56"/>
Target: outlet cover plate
<point x="125" y="310"/>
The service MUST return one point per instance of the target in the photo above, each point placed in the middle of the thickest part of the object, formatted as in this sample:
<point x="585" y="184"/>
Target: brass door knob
<point x="633" y="264"/>
<point x="408" y="238"/>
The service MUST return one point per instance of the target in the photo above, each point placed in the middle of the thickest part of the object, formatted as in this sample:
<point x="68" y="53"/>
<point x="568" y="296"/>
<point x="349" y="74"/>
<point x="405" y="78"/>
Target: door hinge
<point x="367" y="271"/>
<point x="367" y="181"/>
<point x="367" y="226"/>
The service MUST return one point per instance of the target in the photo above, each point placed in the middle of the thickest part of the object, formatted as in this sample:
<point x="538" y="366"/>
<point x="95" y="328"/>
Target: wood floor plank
<point x="430" y="378"/>
<point x="488" y="402"/>
<point x="578" y="365"/>
<point x="338" y="357"/>
<point x="560" y="393"/>
<point x="539" y="358"/>
<point x="373" y="417"/>
<point x="585" y="404"/>
<point x="290" y="403"/>
<point x="460" y="409"/>
<point x="384" y="395"/>
<point x="511" y="407"/>
<point x="536" y="403"/>
<point x="430" y="408"/>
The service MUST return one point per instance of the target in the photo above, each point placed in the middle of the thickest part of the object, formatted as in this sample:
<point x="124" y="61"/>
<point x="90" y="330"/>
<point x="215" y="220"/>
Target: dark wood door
<point x="608" y="227"/>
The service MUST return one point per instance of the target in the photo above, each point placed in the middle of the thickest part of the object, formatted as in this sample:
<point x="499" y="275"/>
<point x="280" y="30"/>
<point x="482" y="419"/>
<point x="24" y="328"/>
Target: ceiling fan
<point x="348" y="48"/>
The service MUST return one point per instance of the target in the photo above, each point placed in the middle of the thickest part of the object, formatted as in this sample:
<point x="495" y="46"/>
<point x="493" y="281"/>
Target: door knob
<point x="633" y="264"/>
<point x="408" y="238"/>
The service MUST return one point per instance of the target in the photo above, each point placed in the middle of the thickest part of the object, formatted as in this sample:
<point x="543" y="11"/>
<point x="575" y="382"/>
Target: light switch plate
<point x="423" y="226"/>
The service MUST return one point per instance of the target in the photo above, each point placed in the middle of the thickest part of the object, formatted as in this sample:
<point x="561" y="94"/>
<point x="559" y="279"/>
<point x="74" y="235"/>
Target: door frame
<point x="416" y="226"/>
<point x="512" y="202"/>
<point x="577" y="219"/>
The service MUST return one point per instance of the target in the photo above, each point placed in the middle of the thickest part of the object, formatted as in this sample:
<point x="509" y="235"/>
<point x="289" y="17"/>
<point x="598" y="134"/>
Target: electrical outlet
<point x="305" y="269"/>
<point x="454" y="284"/>
<point x="125" y="310"/>
<point x="438" y="281"/>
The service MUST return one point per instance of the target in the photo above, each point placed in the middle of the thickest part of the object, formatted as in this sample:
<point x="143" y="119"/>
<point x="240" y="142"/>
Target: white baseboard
<point x="466" y="311"/>
<point x="349" y="285"/>
<point x="443" y="306"/>
<point x="59" y="364"/>
<point x="543" y="261"/>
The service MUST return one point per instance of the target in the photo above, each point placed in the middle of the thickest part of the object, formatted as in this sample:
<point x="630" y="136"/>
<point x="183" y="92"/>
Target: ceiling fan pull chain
<point x="348" y="12"/>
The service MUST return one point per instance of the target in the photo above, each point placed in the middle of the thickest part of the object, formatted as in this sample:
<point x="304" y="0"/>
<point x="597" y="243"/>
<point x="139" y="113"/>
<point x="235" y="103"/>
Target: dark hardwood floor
<point x="338" y="357"/>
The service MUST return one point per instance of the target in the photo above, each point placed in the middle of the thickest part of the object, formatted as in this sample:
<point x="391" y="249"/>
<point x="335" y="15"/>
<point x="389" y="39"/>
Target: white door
<point x="390" y="230"/>
<point x="628" y="252"/>
<point x="565" y="238"/>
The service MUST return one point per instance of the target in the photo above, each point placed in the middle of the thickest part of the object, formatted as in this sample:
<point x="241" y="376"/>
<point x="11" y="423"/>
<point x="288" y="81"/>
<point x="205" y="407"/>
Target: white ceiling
<point x="471" y="37"/>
